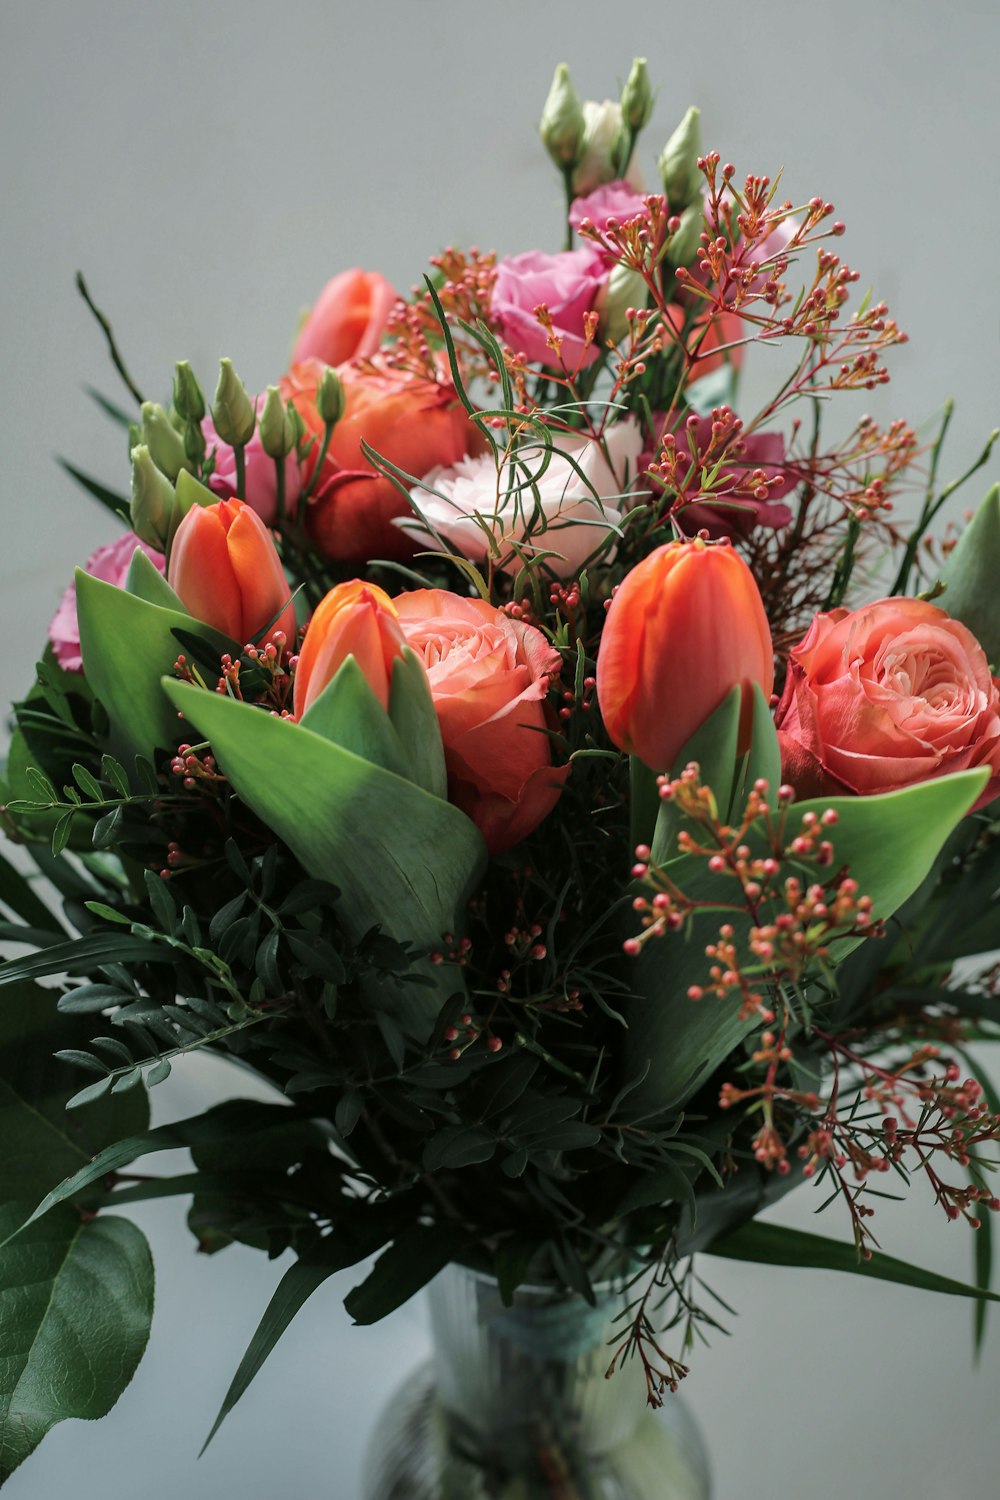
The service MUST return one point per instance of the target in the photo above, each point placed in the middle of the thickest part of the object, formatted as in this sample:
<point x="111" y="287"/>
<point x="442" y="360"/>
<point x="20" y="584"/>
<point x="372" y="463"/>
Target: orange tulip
<point x="685" y="627"/>
<point x="348" y="318"/>
<point x="354" y="619"/>
<point x="227" y="572"/>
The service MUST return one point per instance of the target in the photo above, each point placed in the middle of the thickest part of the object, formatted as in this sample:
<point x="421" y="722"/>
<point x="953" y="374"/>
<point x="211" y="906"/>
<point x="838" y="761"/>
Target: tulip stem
<point x="239" y="453"/>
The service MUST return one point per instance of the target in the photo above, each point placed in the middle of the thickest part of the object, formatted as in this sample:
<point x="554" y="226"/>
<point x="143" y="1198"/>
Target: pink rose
<point x="615" y="200"/>
<point x="882" y="697"/>
<point x="261" y="476"/>
<point x="489" y="678"/>
<point x="110" y="563"/>
<point x="568" y="284"/>
<point x="347" y="320"/>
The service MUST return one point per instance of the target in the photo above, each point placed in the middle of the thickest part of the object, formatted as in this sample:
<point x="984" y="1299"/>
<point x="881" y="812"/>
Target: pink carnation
<point x="110" y="563"/>
<point x="261" y="477"/>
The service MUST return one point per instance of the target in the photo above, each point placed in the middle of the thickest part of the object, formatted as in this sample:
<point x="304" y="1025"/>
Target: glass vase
<point x="514" y="1405"/>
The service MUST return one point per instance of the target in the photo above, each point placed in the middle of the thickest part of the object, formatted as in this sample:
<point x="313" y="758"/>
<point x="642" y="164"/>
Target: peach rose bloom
<point x="881" y="697"/>
<point x="414" y="423"/>
<point x="489" y="678"/>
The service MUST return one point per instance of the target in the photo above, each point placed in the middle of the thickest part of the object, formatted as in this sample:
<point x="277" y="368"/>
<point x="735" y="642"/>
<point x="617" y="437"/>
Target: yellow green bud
<point x="682" y="247"/>
<point x="165" y="444"/>
<point x="189" y="399"/>
<point x="562" y="125"/>
<point x="330" y="399"/>
<point x="637" y="97"/>
<point x="232" y="409"/>
<point x="152" y="505"/>
<point x="682" y="182"/>
<point x="277" y="435"/>
<point x="625" y="289"/>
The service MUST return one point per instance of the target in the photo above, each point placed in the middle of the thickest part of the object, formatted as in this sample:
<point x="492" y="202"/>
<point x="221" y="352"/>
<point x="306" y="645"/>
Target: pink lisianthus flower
<point x="261" y="478"/>
<point x="110" y="563"/>
<point x="569" y="283"/>
<point x="615" y="200"/>
<point x="731" y="509"/>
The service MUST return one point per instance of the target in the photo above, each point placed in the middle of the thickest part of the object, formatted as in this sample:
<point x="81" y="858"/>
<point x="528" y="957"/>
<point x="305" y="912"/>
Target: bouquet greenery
<point x="575" y="800"/>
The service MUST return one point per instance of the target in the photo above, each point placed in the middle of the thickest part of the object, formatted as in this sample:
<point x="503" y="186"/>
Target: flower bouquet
<point x="577" y="802"/>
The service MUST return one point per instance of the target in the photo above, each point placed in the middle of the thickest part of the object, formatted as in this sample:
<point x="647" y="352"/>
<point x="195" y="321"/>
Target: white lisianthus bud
<point x="602" y="143"/>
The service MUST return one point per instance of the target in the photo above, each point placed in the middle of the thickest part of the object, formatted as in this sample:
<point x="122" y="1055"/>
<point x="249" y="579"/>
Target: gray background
<point x="209" y="166"/>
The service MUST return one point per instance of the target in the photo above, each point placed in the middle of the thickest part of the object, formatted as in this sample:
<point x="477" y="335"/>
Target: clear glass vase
<point x="514" y="1405"/>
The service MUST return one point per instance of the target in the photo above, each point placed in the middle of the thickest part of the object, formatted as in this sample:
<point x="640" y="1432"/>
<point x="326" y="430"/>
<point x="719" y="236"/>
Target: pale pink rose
<point x="347" y="320"/>
<point x="489" y="677"/>
<point x="568" y="283"/>
<point x="881" y="697"/>
<point x="615" y="200"/>
<point x="569" y="509"/>
<point x="261" y="476"/>
<point x="110" y="564"/>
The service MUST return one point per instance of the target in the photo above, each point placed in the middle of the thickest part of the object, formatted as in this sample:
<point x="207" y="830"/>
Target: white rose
<point x="569" y="509"/>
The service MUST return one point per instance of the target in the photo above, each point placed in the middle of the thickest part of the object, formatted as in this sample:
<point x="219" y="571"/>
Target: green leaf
<point x="227" y="1126"/>
<point x="412" y="1260"/>
<point x="889" y="842"/>
<point x="18" y="896"/>
<point x="348" y="714"/>
<point x="42" y="1144"/>
<point x="117" y="504"/>
<point x="145" y="581"/>
<point x="127" y="645"/>
<point x="76" y="1302"/>
<point x="414" y="717"/>
<point x="763" y="760"/>
<point x="779" y="1245"/>
<point x="713" y="746"/>
<point x="970" y="577"/>
<point x="982" y="1248"/>
<point x="84" y="955"/>
<point x="404" y="861"/>
<point x="457" y="1146"/>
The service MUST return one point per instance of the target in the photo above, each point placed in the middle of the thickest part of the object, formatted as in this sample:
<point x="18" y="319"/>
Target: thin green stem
<point x="116" y="358"/>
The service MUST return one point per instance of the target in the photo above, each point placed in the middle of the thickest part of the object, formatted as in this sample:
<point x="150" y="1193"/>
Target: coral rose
<point x="881" y="697"/>
<point x="414" y="423"/>
<point x="347" y="320"/>
<point x="489" y="678"/>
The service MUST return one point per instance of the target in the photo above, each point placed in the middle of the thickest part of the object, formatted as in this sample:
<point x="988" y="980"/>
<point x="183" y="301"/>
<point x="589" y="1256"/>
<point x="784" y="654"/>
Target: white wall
<point x="209" y="166"/>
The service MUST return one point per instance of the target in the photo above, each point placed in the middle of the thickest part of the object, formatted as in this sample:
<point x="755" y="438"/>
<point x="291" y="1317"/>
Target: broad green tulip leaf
<point x="42" y="1142"/>
<point x="348" y="714"/>
<point x="83" y="955"/>
<point x="145" y="581"/>
<point x="127" y="645"/>
<point x="412" y="711"/>
<point x="413" y="1259"/>
<point x="779" y="1245"/>
<point x="763" y="761"/>
<point x="970" y="577"/>
<point x="889" y="842"/>
<point x="19" y="896"/>
<point x="76" y="1302"/>
<point x="403" y="860"/>
<point x="714" y="747"/>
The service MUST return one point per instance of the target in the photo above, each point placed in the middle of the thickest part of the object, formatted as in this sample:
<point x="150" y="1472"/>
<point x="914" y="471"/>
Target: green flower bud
<point x="682" y="247"/>
<point x="153" y="500"/>
<point x="678" y="163"/>
<point x="330" y="398"/>
<point x="625" y="289"/>
<point x="298" y="426"/>
<point x="277" y="435"/>
<point x="189" y="398"/>
<point x="562" y="125"/>
<point x="232" y="409"/>
<point x="637" y="97"/>
<point x="165" y="444"/>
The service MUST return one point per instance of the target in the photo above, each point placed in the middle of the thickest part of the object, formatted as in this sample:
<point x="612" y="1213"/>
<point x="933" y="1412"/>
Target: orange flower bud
<point x="226" y="570"/>
<point x="685" y="627"/>
<point x="354" y="619"/>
